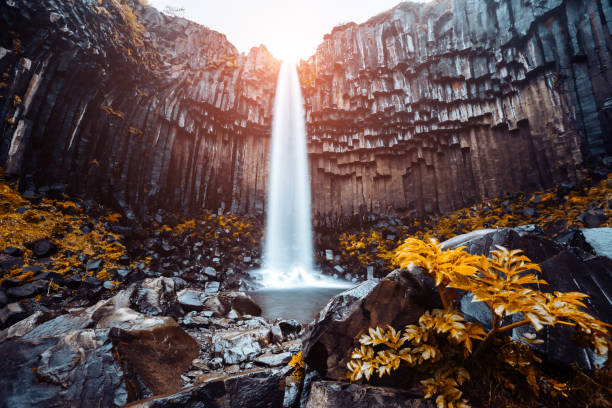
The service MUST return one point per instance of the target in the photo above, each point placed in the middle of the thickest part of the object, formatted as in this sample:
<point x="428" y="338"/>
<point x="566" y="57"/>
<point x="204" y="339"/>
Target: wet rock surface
<point x="328" y="394"/>
<point x="77" y="367"/>
<point x="397" y="300"/>
<point x="157" y="350"/>
<point x="124" y="348"/>
<point x="258" y="389"/>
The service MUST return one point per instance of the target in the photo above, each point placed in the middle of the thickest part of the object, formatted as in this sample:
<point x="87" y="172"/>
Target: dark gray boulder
<point x="593" y="218"/>
<point x="397" y="300"/>
<point x="76" y="369"/>
<point x="10" y="261"/>
<point x="258" y="388"/>
<point x="336" y="394"/>
<point x="156" y="297"/>
<point x="42" y="248"/>
<point x="104" y="355"/>
<point x="11" y="314"/>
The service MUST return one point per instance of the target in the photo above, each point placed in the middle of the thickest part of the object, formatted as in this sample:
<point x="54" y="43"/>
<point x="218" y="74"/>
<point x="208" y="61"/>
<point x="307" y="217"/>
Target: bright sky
<point x="291" y="29"/>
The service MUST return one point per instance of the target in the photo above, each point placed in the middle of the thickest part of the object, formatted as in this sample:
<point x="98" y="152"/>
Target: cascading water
<point x="288" y="259"/>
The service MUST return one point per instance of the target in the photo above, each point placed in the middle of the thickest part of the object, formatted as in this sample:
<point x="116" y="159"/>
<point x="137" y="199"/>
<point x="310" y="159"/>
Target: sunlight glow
<point x="290" y="29"/>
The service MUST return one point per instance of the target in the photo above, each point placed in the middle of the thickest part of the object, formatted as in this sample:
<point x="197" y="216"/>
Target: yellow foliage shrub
<point x="442" y="342"/>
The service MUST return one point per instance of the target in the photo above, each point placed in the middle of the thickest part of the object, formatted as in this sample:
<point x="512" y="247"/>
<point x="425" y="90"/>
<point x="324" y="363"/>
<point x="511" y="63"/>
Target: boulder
<point x="12" y="251"/>
<point x="482" y="242"/>
<point x="569" y="272"/>
<point x="192" y="299"/>
<point x="153" y="351"/>
<point x="79" y="319"/>
<point x="336" y="394"/>
<point x="9" y="261"/>
<point x="28" y="290"/>
<point x="77" y="368"/>
<point x="273" y="360"/>
<point x="575" y="238"/>
<point x="600" y="239"/>
<point x="214" y="305"/>
<point x="156" y="297"/>
<point x="257" y="388"/>
<point x="76" y="320"/>
<point x="240" y="302"/>
<point x="24" y="326"/>
<point x="11" y="314"/>
<point x="212" y="287"/>
<point x="593" y="218"/>
<point x="397" y="300"/>
<point x="49" y="276"/>
<point x="94" y="265"/>
<point x="238" y="346"/>
<point x="193" y="319"/>
<point x="276" y="334"/>
<point x="289" y="327"/>
<point x="155" y="348"/>
<point x="210" y="271"/>
<point x="565" y="269"/>
<point x="42" y="248"/>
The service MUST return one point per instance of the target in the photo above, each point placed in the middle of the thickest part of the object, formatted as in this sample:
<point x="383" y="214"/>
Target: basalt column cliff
<point x="431" y="107"/>
<point x="129" y="106"/>
<point x="422" y="109"/>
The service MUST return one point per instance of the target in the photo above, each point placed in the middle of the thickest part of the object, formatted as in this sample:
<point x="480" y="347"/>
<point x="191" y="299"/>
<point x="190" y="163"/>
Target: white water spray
<point x="288" y="258"/>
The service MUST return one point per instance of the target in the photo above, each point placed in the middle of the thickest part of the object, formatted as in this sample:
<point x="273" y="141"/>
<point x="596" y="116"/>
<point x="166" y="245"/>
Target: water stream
<point x="288" y="255"/>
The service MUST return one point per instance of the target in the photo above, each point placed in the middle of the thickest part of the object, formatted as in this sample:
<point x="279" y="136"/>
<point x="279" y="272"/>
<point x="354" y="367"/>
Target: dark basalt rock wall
<point x="172" y="116"/>
<point x="431" y="107"/>
<point x="422" y="109"/>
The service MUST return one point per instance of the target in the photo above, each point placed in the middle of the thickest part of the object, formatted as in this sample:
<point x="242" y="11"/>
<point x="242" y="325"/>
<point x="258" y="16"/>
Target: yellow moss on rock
<point x="48" y="220"/>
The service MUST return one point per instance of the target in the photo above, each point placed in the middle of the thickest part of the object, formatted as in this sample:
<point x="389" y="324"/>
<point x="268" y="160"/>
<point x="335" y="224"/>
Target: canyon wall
<point x="422" y="109"/>
<point x="126" y="105"/>
<point x="432" y="107"/>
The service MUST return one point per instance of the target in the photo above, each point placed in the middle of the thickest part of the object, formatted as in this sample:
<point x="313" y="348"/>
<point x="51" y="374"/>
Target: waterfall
<point x="288" y="256"/>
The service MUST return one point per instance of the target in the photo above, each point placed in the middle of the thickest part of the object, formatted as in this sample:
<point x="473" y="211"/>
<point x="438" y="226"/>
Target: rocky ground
<point x="97" y="309"/>
<point x="160" y="342"/>
<point x="365" y="248"/>
<point x="59" y="253"/>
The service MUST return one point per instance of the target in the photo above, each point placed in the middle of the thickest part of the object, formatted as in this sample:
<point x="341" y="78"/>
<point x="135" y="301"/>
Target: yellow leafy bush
<point x="443" y="341"/>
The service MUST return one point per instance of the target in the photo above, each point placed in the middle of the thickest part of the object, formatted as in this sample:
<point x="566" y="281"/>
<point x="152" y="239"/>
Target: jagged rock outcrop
<point x="431" y="107"/>
<point x="166" y="113"/>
